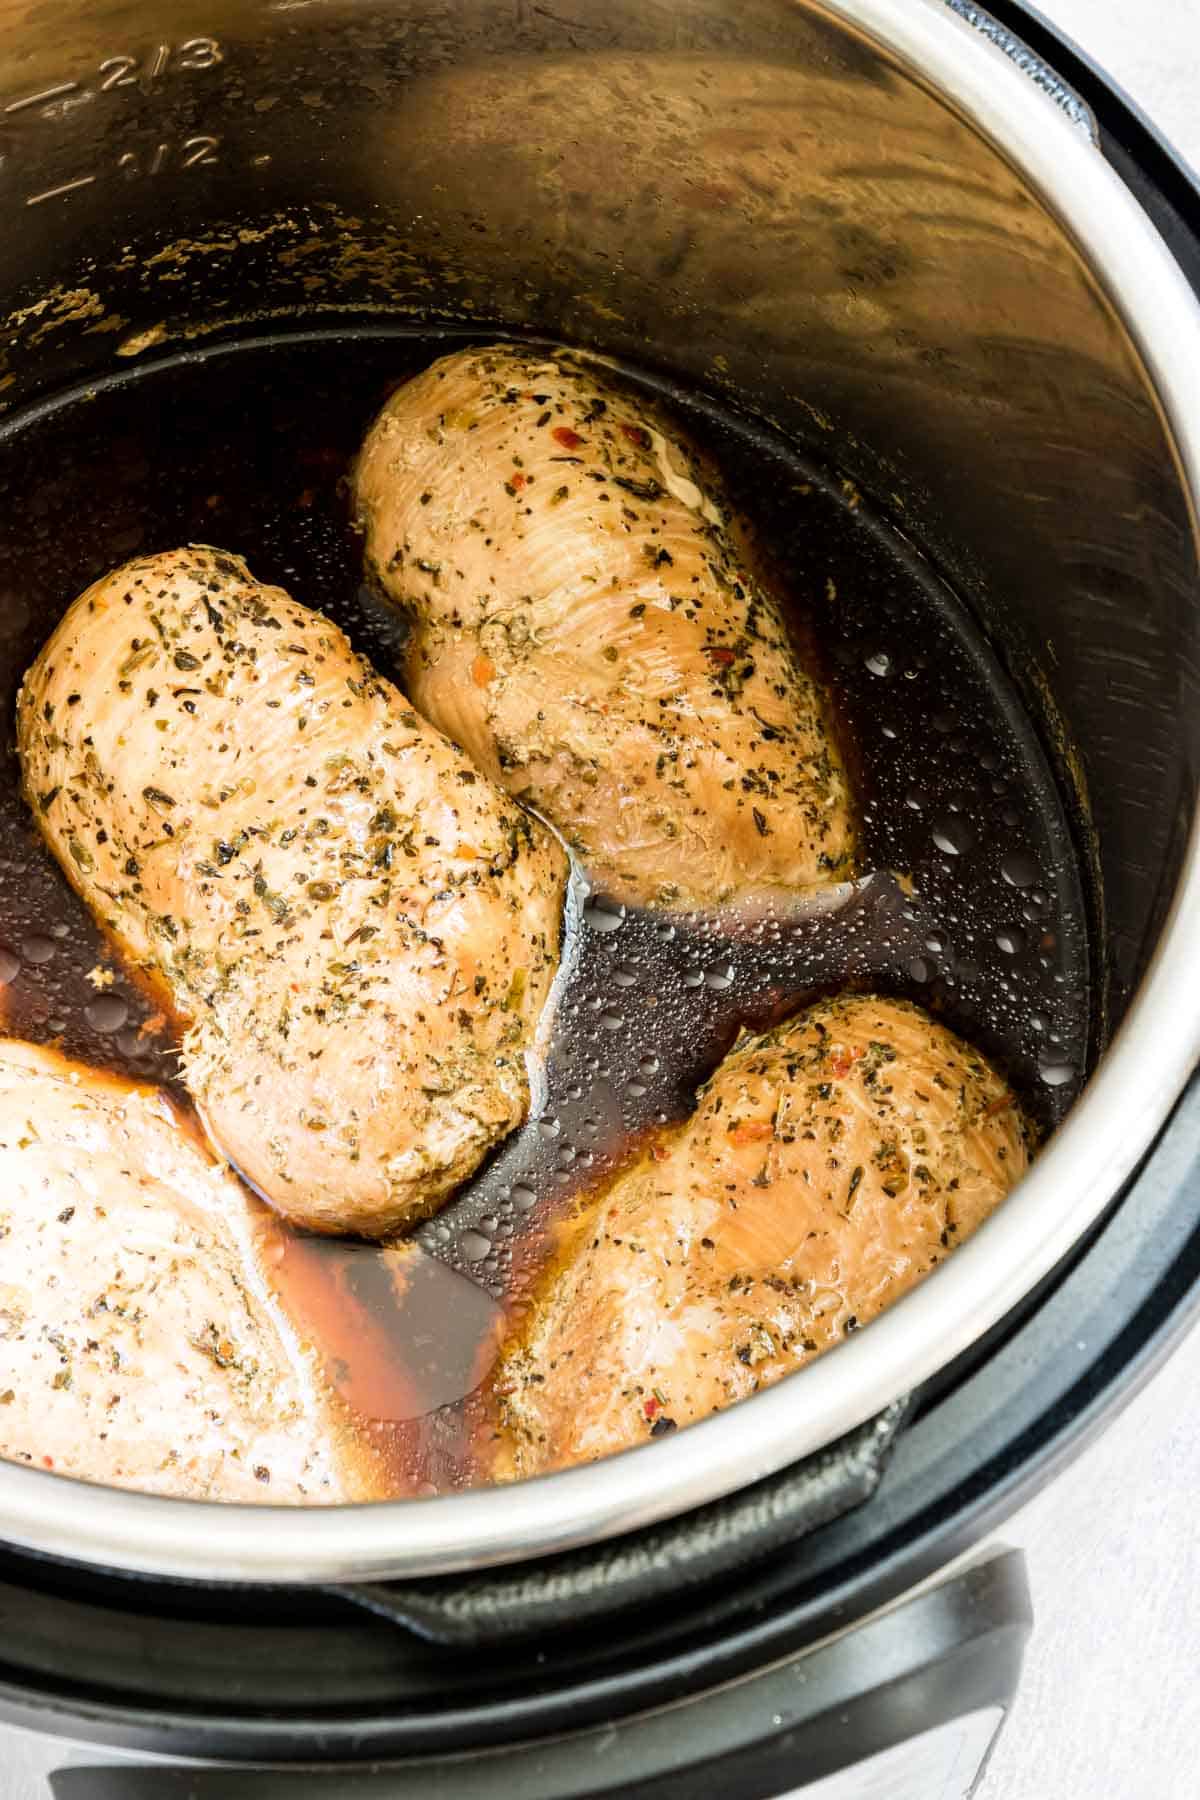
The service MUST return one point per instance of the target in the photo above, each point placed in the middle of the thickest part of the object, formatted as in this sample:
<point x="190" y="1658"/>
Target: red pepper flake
<point x="650" y="1408"/>
<point x="998" y="1106"/>
<point x="570" y="440"/>
<point x="843" y="1063"/>
<point x="658" y="1153"/>
<point x="47" y="1462"/>
<point x="483" y="670"/>
<point x="637" y="434"/>
<point x="720" y="656"/>
<point x="518" y="481"/>
<point x="753" y="1131"/>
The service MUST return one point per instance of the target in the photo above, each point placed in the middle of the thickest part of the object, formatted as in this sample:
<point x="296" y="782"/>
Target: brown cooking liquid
<point x="247" y="447"/>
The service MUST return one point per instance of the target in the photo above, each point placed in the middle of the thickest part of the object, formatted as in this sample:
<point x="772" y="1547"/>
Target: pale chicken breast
<point x="829" y="1165"/>
<point x="359" y="929"/>
<point x="584" y="625"/>
<point x="139" y="1342"/>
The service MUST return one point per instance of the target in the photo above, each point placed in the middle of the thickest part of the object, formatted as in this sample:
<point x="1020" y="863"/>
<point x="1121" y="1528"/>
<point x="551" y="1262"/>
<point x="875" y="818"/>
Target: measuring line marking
<point x="68" y="187"/>
<point x="54" y="93"/>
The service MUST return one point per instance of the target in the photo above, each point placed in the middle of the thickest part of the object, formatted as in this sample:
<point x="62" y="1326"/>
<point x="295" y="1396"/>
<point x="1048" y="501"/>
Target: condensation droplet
<point x="523" y="1197"/>
<point x="879" y="663"/>
<point x="37" y="949"/>
<point x="612" y="1021"/>
<point x="474" y="1246"/>
<point x="1011" y="939"/>
<point x="719" y="977"/>
<point x="1019" y="869"/>
<point x="549" y="1127"/>
<point x="648" y="1064"/>
<point x="693" y="978"/>
<point x="10" y="966"/>
<point x="624" y="977"/>
<point x="1056" y="1073"/>
<point x="953" y="835"/>
<point x="603" y="917"/>
<point x="921" y="969"/>
<point x="107" y="1013"/>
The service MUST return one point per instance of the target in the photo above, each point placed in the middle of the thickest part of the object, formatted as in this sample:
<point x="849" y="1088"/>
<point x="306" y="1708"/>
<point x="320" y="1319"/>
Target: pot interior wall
<point x="745" y="197"/>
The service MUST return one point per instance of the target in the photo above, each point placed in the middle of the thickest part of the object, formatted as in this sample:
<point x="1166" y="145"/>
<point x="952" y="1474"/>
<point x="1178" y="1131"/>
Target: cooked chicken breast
<point x="358" y="928"/>
<point x="584" y="626"/>
<point x="139" y="1343"/>
<point x="829" y="1165"/>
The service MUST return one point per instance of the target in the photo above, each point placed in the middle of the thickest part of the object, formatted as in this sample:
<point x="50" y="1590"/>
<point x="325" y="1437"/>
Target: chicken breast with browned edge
<point x="586" y="627"/>
<point x="829" y="1165"/>
<point x="139" y="1343"/>
<point x="359" y="929"/>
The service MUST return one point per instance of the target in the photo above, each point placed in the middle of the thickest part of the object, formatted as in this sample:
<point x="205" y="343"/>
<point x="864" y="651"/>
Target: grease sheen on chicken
<point x="585" y="627"/>
<point x="359" y="928"/>
<point x="139" y="1343"/>
<point x="829" y="1165"/>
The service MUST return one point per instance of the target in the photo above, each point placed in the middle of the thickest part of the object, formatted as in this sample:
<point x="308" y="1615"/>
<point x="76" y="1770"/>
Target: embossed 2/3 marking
<point x="126" y="71"/>
<point x="42" y="99"/>
<point x="193" y="153"/>
<point x="196" y="53"/>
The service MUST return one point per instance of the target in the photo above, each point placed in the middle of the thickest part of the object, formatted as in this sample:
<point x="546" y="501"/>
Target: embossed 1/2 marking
<point x="198" y="152"/>
<point x="55" y="193"/>
<point x="193" y="153"/>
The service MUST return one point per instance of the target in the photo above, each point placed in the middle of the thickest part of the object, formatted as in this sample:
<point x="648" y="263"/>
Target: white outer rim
<point x="1110" y="1128"/>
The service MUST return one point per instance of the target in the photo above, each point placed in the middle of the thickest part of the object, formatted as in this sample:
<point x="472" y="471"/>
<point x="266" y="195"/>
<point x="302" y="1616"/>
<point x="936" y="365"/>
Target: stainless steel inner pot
<point x="857" y="219"/>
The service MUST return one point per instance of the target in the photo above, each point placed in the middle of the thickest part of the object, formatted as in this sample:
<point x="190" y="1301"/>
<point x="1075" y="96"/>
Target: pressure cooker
<point x="934" y="244"/>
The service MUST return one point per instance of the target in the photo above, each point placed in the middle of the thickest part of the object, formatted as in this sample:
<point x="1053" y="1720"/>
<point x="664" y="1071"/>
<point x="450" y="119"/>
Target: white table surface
<point x="1109" y="1707"/>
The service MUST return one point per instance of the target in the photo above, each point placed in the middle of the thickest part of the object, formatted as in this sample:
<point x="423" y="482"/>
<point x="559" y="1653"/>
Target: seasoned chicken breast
<point x="139" y="1343"/>
<point x="584" y="626"/>
<point x="829" y="1165"/>
<point x="358" y="928"/>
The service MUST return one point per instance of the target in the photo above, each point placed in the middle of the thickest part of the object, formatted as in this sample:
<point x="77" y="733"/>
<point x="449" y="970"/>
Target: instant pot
<point x="934" y="245"/>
